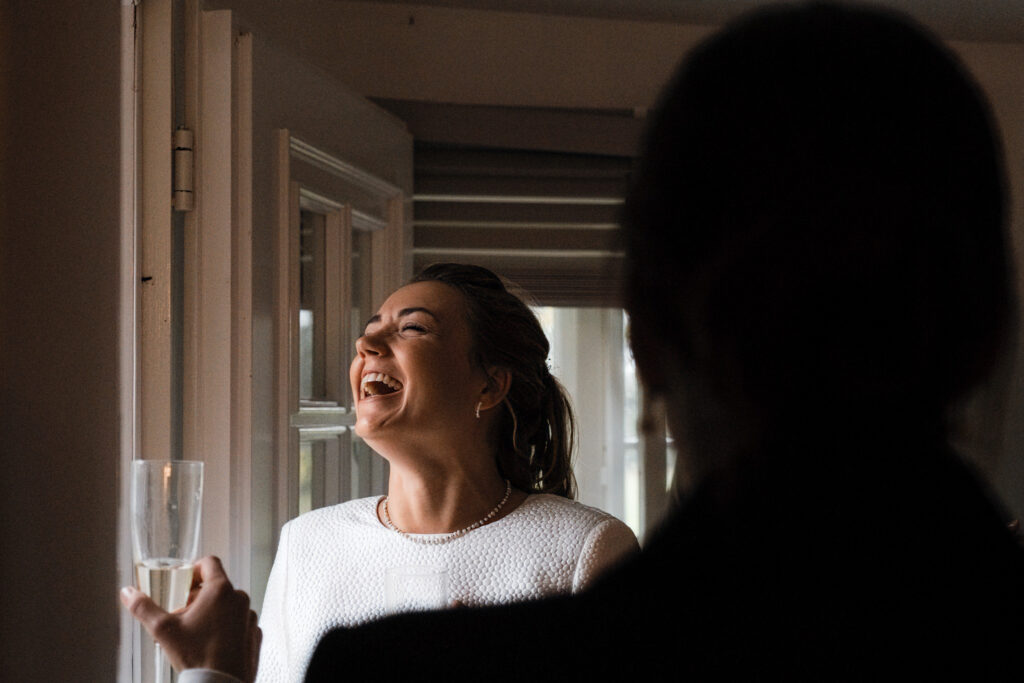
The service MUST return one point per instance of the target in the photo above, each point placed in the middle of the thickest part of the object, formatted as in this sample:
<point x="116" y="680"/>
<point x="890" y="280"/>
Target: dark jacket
<point x="866" y="564"/>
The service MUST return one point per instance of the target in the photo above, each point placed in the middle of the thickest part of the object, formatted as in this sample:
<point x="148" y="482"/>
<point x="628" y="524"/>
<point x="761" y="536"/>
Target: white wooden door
<point x="298" y="181"/>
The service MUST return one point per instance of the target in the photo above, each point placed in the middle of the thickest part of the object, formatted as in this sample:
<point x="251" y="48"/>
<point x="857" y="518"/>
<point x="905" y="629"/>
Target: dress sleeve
<point x="606" y="545"/>
<point x="274" y="660"/>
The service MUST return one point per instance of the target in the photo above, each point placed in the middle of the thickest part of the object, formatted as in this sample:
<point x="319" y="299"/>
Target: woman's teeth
<point x="377" y="383"/>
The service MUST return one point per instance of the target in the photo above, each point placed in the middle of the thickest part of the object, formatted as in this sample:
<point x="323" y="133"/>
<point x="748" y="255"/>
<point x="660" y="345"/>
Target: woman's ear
<point x="499" y="380"/>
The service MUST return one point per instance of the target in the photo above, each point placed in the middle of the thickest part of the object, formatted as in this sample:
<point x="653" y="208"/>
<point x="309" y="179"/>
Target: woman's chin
<point x="371" y="428"/>
<point x="373" y="412"/>
<point x="365" y="429"/>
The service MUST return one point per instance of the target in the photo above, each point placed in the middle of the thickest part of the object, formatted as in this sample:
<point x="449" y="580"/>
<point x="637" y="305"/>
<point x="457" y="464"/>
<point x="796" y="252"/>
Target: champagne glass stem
<point x="161" y="667"/>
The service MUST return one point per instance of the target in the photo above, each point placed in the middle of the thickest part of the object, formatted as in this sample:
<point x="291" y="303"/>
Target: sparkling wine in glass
<point x="166" y="508"/>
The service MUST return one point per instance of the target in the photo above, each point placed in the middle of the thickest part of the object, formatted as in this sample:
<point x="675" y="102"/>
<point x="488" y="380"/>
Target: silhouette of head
<point x="816" y="227"/>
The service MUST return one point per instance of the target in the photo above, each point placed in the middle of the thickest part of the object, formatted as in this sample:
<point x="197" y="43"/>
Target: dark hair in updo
<point x="536" y="428"/>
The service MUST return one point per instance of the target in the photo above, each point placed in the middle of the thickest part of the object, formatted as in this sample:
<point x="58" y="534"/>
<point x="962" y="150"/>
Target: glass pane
<point x="588" y="351"/>
<point x="305" y="476"/>
<point x="631" y="483"/>
<point x="630" y="421"/>
<point x="670" y="460"/>
<point x="311" y="305"/>
<point x="630" y="406"/>
<point x="305" y="353"/>
<point x="360" y="268"/>
<point x="317" y="476"/>
<point x="362" y="457"/>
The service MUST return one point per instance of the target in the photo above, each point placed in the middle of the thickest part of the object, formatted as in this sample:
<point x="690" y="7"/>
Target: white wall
<point x="60" y="422"/>
<point x="468" y="56"/>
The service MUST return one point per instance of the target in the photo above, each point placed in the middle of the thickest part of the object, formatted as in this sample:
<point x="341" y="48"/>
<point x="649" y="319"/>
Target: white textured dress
<point x="329" y="569"/>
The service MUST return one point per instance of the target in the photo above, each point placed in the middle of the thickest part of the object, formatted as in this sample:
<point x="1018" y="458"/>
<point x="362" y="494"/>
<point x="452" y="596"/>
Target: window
<point x="337" y="248"/>
<point x="590" y="356"/>
<point x="334" y="464"/>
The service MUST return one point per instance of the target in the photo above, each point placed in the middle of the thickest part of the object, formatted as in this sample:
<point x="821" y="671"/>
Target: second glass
<point x="414" y="589"/>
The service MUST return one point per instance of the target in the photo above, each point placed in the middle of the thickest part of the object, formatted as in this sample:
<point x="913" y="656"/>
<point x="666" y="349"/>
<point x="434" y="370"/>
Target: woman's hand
<point x="216" y="630"/>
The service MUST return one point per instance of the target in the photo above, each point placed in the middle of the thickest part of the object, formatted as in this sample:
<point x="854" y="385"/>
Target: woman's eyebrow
<point x="401" y="314"/>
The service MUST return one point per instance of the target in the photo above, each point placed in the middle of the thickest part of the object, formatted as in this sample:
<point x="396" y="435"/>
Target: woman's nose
<point x="371" y="345"/>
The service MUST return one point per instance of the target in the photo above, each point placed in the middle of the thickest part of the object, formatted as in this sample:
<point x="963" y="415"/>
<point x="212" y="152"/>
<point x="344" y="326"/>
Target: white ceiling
<point x="980" y="20"/>
<point x="562" y="55"/>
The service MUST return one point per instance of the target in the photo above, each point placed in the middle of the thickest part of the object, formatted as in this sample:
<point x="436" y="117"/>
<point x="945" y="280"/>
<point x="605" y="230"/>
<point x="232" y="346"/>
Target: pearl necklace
<point x="435" y="540"/>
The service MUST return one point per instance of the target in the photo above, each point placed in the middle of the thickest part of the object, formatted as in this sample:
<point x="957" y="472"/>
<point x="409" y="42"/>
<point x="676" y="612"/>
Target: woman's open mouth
<point x="378" y="384"/>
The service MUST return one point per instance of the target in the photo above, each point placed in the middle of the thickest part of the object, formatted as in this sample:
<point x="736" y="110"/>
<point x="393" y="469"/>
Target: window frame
<point x="315" y="181"/>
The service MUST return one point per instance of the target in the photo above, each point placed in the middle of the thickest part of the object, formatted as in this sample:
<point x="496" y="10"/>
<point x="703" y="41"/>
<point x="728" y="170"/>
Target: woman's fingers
<point x="216" y="630"/>
<point x="142" y="608"/>
<point x="208" y="570"/>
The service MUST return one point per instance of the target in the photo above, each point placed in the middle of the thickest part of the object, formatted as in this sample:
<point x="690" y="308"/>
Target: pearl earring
<point x="478" y="409"/>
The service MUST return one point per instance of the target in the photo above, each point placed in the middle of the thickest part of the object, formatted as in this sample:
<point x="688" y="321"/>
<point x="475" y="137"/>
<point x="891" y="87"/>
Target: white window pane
<point x="305" y="476"/>
<point x="631" y="483"/>
<point x="362" y="467"/>
<point x="306" y="354"/>
<point x="609" y="466"/>
<point x="360" y="282"/>
<point x="630" y="406"/>
<point x="670" y="461"/>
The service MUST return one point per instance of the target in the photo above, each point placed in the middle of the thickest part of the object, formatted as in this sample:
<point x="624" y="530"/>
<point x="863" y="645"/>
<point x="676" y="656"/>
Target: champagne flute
<point x="166" y="507"/>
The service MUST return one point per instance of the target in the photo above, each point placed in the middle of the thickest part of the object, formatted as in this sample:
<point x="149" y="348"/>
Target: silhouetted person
<point x="818" y="273"/>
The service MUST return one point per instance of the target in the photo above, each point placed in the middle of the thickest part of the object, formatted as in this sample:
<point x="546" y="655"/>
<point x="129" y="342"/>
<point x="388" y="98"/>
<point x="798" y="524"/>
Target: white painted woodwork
<point x="339" y="295"/>
<point x="128" y="332"/>
<point x="330" y="128"/>
<point x="337" y="182"/>
<point x="217" y="329"/>
<point x="241" y="352"/>
<point x="286" y="467"/>
<point x="154" y="232"/>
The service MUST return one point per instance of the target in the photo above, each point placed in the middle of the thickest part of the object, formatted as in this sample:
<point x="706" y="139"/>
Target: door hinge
<point x="184" y="199"/>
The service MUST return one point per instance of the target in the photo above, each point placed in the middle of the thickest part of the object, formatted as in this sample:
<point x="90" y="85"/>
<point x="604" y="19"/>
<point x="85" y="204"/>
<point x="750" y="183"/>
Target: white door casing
<point x="316" y="147"/>
<point x="242" y="97"/>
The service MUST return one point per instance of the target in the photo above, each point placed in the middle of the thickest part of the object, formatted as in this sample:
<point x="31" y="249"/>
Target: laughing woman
<point x="453" y="390"/>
